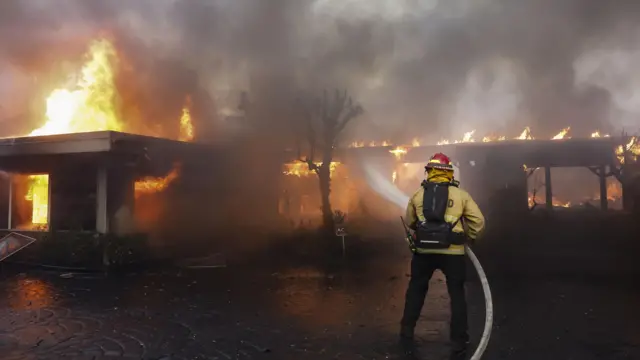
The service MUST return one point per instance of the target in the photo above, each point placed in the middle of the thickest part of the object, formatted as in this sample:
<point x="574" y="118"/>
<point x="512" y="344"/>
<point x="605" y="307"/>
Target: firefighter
<point x="438" y="244"/>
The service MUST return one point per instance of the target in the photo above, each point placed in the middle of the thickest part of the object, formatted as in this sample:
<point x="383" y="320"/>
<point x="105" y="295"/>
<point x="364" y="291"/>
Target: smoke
<point x="611" y="66"/>
<point x="452" y="66"/>
<point x="420" y="68"/>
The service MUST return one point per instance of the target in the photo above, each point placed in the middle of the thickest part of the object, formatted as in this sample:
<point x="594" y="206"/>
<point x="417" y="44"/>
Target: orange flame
<point x="186" y="126"/>
<point x="91" y="106"/>
<point x="38" y="194"/>
<point x="562" y="134"/>
<point x="398" y="152"/>
<point x="632" y="148"/>
<point x="150" y="185"/>
<point x="525" y="135"/>
<point x="554" y="202"/>
<point x="301" y="169"/>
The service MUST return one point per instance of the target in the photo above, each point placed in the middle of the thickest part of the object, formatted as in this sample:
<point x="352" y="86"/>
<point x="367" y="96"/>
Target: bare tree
<point x="324" y="119"/>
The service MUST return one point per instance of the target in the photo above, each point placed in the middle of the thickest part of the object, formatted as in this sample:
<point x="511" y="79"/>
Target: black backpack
<point x="435" y="232"/>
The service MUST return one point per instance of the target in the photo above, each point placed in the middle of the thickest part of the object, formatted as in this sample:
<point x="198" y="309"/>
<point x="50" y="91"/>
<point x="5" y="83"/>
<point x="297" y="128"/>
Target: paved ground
<point x="231" y="314"/>
<point x="208" y="314"/>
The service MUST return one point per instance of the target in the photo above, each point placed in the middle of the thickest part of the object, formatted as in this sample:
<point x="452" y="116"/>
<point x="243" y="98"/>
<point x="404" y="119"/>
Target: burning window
<point x="573" y="187"/>
<point x="29" y="202"/>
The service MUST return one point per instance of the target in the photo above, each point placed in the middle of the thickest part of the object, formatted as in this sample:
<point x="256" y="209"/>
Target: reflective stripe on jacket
<point x="460" y="205"/>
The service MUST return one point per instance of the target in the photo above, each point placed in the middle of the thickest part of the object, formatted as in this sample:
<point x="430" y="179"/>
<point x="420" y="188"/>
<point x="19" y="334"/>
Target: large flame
<point x="91" y="105"/>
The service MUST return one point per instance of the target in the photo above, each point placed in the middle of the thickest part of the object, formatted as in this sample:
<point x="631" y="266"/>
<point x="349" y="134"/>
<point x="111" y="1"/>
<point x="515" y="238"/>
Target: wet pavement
<point x="208" y="314"/>
<point x="300" y="313"/>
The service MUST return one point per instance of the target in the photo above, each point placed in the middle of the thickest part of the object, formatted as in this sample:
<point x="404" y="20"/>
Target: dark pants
<point x="422" y="268"/>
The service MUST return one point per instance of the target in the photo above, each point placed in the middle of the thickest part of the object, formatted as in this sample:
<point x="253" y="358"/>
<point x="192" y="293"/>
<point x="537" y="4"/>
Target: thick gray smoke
<point x="421" y="68"/>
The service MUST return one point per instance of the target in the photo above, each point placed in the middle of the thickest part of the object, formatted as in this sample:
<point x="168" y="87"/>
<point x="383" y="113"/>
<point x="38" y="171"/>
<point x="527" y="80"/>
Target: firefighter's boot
<point x="407" y="342"/>
<point x="459" y="351"/>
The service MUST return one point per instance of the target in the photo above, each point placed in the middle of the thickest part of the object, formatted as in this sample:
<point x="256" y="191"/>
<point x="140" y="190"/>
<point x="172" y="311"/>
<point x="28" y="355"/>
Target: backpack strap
<point x="434" y="201"/>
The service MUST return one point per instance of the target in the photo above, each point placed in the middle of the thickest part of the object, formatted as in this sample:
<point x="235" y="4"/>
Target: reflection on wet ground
<point x="291" y="313"/>
<point x="30" y="293"/>
<point x="214" y="311"/>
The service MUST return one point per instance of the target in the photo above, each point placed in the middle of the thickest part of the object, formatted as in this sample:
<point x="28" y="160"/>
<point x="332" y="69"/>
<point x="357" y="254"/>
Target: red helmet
<point x="439" y="161"/>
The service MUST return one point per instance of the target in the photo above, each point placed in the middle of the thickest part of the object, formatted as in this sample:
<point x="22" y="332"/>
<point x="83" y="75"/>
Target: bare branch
<point x="324" y="106"/>
<point x="338" y="107"/>
<point x="305" y="109"/>
<point x="352" y="112"/>
<point x="330" y="115"/>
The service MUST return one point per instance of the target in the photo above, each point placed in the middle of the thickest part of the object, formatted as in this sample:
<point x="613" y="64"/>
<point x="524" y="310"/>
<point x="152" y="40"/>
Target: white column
<point x="102" y="218"/>
<point x="10" y="201"/>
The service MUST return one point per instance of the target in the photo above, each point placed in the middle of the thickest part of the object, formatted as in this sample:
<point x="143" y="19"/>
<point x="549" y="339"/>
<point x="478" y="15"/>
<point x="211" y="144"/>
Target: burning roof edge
<point x="88" y="142"/>
<point x="561" y="152"/>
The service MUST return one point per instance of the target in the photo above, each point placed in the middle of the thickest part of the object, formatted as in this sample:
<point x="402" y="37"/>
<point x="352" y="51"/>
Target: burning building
<point x="85" y="181"/>
<point x="498" y="171"/>
<point x="85" y="168"/>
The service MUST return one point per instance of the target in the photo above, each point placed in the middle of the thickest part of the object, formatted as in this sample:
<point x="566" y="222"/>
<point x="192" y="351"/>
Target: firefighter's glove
<point x="471" y="242"/>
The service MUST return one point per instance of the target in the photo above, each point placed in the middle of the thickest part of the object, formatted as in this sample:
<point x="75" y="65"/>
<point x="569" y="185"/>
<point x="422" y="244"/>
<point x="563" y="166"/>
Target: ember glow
<point x="533" y="201"/>
<point x="614" y="191"/>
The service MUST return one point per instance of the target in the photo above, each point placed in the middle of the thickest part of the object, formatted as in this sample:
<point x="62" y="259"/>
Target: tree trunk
<point x="324" y="180"/>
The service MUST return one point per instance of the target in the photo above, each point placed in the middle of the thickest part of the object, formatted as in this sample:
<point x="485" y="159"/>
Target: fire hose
<point x="385" y="188"/>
